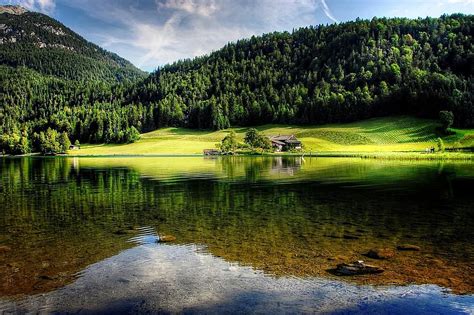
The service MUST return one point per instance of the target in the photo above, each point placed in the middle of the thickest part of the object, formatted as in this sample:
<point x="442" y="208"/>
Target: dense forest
<point x="56" y="87"/>
<point x="314" y="75"/>
<point x="323" y="74"/>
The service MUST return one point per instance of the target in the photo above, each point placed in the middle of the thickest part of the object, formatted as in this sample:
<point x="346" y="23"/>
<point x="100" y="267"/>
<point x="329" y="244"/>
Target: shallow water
<point x="78" y="234"/>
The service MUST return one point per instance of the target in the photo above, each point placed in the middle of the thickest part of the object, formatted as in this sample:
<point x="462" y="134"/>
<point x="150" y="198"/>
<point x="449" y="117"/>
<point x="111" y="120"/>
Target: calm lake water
<point x="252" y="235"/>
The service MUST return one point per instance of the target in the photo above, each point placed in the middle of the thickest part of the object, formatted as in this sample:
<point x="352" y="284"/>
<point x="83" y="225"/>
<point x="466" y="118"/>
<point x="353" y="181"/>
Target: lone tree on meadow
<point x="256" y="140"/>
<point x="229" y="144"/>
<point x="447" y="119"/>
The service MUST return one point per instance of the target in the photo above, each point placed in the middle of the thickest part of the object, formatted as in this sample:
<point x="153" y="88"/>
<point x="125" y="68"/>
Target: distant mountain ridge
<point x="36" y="41"/>
<point x="53" y="82"/>
<point x="322" y="74"/>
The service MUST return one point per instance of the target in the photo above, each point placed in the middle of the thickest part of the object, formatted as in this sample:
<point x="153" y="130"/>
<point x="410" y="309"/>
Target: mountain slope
<point x="323" y="74"/>
<point x="315" y="75"/>
<point x="41" y="43"/>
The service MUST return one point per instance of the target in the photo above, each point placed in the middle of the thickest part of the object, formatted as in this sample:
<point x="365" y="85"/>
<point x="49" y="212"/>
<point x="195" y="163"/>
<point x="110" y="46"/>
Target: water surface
<point x="248" y="231"/>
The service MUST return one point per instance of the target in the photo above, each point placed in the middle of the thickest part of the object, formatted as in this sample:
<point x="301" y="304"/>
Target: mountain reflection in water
<point x="284" y="217"/>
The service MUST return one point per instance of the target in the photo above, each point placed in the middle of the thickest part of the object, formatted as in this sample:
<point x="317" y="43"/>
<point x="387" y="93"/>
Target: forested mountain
<point x="323" y="74"/>
<point x="54" y="84"/>
<point x="41" y="43"/>
<point x="314" y="75"/>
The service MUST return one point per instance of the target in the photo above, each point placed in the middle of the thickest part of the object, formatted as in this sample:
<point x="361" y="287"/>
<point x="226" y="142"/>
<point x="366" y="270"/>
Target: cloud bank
<point x="151" y="33"/>
<point x="163" y="31"/>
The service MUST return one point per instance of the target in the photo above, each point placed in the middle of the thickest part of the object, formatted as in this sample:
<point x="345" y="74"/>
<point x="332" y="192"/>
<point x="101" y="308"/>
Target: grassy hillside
<point x="374" y="135"/>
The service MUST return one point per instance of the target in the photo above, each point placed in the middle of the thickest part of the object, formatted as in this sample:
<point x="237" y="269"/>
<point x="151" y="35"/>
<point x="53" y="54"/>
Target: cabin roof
<point x="282" y="138"/>
<point x="278" y="142"/>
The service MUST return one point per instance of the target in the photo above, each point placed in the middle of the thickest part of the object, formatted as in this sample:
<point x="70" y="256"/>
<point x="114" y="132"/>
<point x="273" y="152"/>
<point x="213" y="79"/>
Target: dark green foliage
<point x="447" y="119"/>
<point x="131" y="135"/>
<point x="323" y="74"/>
<point x="256" y="140"/>
<point x="251" y="137"/>
<point x="440" y="145"/>
<point x="54" y="84"/>
<point x="315" y="75"/>
<point x="64" y="142"/>
<point x="229" y="144"/>
<point x="16" y="143"/>
<point x="48" y="142"/>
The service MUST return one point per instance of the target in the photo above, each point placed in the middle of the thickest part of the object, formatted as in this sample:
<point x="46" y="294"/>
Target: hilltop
<point x="39" y="42"/>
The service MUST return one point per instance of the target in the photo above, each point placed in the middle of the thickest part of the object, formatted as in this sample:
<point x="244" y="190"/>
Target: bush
<point x="256" y="140"/>
<point x="131" y="135"/>
<point x="440" y="144"/>
<point x="446" y="119"/>
<point x="229" y="144"/>
<point x="64" y="142"/>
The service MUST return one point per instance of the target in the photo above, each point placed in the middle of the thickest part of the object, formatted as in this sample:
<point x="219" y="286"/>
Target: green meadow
<point x="391" y="135"/>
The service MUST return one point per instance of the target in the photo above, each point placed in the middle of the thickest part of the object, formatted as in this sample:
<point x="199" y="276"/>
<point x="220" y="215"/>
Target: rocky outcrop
<point x="355" y="268"/>
<point x="4" y="249"/>
<point x="12" y="9"/>
<point x="166" y="239"/>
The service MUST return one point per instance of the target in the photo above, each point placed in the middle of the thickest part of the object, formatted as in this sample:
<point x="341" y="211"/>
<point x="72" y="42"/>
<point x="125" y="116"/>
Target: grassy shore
<point x="380" y="137"/>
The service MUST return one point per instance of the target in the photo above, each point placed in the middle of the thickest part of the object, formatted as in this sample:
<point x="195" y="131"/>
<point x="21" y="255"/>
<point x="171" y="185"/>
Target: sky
<point x="151" y="33"/>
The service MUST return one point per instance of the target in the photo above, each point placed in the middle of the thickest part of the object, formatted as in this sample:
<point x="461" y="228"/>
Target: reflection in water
<point x="283" y="216"/>
<point x="155" y="278"/>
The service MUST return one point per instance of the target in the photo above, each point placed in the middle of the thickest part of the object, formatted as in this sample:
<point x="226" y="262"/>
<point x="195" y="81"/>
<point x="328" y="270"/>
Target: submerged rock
<point x="4" y="249"/>
<point x="350" y="237"/>
<point x="46" y="277"/>
<point x="408" y="247"/>
<point x="380" y="253"/>
<point x="356" y="268"/>
<point x="166" y="238"/>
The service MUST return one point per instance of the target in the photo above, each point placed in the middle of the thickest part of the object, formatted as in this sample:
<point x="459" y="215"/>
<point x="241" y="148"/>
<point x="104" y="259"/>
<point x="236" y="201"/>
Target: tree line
<point x="313" y="75"/>
<point x="322" y="74"/>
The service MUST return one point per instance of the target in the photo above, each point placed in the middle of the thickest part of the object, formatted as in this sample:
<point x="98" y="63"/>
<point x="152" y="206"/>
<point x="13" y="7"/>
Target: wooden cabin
<point x="283" y="143"/>
<point x="211" y="152"/>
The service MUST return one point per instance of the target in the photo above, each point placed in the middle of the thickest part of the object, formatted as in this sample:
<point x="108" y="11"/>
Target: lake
<point x="253" y="234"/>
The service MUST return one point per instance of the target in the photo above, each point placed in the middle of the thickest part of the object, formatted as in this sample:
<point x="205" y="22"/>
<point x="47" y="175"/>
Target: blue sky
<point x="151" y="33"/>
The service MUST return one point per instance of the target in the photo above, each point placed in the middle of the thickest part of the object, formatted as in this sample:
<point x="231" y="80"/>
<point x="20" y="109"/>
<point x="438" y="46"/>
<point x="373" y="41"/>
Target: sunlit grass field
<point x="379" y="135"/>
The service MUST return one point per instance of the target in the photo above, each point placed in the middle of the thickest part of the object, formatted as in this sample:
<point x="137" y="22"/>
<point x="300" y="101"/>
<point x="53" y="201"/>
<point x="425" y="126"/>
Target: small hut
<point x="209" y="152"/>
<point x="285" y="143"/>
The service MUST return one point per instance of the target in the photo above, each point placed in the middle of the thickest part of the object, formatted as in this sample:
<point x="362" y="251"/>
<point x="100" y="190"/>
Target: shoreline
<point x="450" y="156"/>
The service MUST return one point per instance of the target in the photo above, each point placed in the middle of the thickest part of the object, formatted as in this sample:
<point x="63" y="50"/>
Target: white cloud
<point x="461" y="1"/>
<point x="200" y="7"/>
<point x="327" y="11"/>
<point x="46" y="5"/>
<point x="157" y="32"/>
